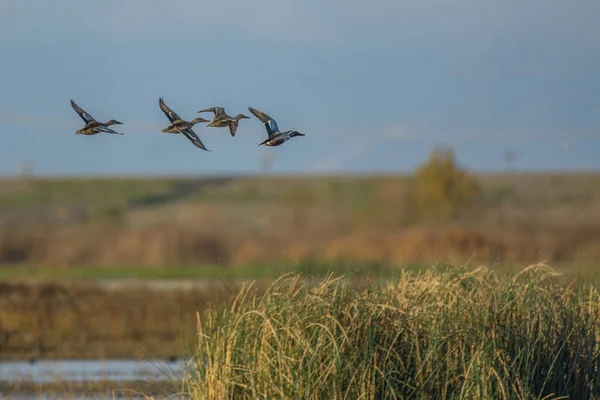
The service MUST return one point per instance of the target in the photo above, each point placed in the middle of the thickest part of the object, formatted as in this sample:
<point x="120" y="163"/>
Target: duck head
<point x="241" y="116"/>
<point x="296" y="133"/>
<point x="113" y="122"/>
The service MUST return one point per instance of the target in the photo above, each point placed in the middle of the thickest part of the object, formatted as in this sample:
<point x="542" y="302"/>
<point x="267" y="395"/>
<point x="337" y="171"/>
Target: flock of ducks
<point x="275" y="137"/>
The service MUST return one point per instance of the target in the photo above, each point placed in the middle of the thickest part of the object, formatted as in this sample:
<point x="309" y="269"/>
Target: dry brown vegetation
<point x="441" y="212"/>
<point x="67" y="320"/>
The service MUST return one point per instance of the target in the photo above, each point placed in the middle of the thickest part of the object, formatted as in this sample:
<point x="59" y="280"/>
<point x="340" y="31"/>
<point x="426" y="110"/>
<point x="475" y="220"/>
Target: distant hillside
<point x="229" y="220"/>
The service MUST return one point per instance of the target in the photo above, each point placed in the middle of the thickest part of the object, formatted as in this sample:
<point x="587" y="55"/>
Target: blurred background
<point x="435" y="132"/>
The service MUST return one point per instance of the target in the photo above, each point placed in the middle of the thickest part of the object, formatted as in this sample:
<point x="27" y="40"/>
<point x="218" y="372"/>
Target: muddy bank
<point x="101" y="390"/>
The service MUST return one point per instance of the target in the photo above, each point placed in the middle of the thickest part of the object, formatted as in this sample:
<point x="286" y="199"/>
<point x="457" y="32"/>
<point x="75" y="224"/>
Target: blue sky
<point x="375" y="86"/>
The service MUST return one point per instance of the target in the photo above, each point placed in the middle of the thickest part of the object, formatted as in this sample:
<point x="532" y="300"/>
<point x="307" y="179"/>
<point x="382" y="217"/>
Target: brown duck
<point x="221" y="119"/>
<point x="92" y="126"/>
<point x="180" y="126"/>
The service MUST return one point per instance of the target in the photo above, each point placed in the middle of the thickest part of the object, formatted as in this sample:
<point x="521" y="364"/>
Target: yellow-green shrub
<point x="441" y="188"/>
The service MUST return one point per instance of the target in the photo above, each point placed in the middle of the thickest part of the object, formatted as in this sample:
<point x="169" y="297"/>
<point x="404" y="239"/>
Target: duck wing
<point x="85" y="116"/>
<point x="172" y="115"/>
<point x="107" y="130"/>
<point x="216" y="110"/>
<point x="269" y="122"/>
<point x="191" y="135"/>
<point x="233" y="125"/>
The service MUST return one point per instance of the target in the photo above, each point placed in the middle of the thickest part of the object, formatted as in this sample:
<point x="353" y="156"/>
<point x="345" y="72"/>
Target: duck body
<point x="279" y="138"/>
<point x="179" y="125"/>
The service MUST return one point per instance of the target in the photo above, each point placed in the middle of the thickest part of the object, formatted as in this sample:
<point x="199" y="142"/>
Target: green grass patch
<point x="311" y="268"/>
<point x="308" y="267"/>
<point x="442" y="333"/>
<point x="89" y="192"/>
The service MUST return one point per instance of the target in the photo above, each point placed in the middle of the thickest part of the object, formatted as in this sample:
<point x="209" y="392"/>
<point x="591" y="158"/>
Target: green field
<point x="580" y="272"/>
<point x="548" y="191"/>
<point x="198" y="272"/>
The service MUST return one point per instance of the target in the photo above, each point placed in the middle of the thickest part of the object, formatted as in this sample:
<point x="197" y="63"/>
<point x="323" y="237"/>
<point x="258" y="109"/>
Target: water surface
<point x="46" y="371"/>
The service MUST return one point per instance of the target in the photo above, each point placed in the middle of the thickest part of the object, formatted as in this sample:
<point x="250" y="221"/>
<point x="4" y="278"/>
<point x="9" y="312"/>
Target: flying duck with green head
<point x="275" y="136"/>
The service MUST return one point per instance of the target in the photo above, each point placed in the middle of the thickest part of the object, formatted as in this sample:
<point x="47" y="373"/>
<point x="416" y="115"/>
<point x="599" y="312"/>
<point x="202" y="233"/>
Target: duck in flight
<point x="180" y="126"/>
<point x="221" y="119"/>
<point x="92" y="126"/>
<point x="275" y="136"/>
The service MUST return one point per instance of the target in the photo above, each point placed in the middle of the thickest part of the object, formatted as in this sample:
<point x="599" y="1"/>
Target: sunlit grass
<point x="440" y="333"/>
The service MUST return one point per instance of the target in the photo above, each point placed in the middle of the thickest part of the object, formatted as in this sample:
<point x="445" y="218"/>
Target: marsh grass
<point x="77" y="320"/>
<point x="444" y="333"/>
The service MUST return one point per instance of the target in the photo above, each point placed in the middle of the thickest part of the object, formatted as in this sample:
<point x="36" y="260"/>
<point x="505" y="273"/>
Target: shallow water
<point x="45" y="371"/>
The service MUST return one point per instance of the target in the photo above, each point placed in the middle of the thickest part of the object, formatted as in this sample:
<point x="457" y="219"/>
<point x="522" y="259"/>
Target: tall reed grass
<point x="439" y="334"/>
